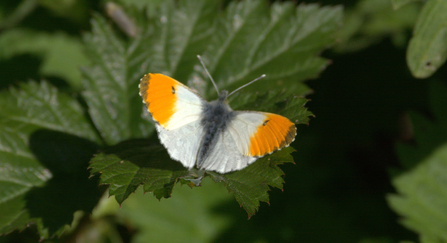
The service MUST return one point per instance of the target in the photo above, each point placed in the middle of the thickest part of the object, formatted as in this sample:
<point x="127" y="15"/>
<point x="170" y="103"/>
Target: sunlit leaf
<point x="251" y="185"/>
<point x="130" y="164"/>
<point x="427" y="49"/>
<point x="281" y="41"/>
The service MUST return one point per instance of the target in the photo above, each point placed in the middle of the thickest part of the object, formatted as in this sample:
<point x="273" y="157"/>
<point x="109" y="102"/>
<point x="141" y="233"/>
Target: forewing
<point x="170" y="103"/>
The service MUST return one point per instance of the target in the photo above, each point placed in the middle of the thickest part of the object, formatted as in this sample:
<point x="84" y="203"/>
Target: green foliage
<point x="61" y="54"/>
<point x="281" y="41"/>
<point x="51" y="129"/>
<point x="45" y="144"/>
<point x="427" y="49"/>
<point x="280" y="102"/>
<point x="422" y="190"/>
<point x="194" y="215"/>
<point x="132" y="163"/>
<point x="289" y="54"/>
<point x="47" y="136"/>
<point x="400" y="3"/>
<point x="252" y="184"/>
<point x="370" y="21"/>
<point x="110" y="83"/>
<point x="422" y="196"/>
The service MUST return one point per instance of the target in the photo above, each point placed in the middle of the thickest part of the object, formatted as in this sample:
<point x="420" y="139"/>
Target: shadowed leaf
<point x="422" y="191"/>
<point x="45" y="145"/>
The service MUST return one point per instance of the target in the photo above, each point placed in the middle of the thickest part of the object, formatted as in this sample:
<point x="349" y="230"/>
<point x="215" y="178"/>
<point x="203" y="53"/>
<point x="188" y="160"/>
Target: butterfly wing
<point x="171" y="103"/>
<point x="182" y="143"/>
<point x="177" y="110"/>
<point x="249" y="136"/>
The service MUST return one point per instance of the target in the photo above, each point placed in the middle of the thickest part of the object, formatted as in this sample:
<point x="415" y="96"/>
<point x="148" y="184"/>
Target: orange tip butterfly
<point x="210" y="135"/>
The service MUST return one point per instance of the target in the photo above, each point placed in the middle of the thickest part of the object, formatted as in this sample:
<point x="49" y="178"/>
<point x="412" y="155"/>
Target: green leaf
<point x="399" y="3"/>
<point x="110" y="84"/>
<point x="422" y="191"/>
<point x="132" y="163"/>
<point x="422" y="197"/>
<point x="371" y="21"/>
<point x="275" y="101"/>
<point x="61" y="55"/>
<point x="427" y="49"/>
<point x="194" y="215"/>
<point x="72" y="9"/>
<point x="282" y="41"/>
<point x="40" y="106"/>
<point x="251" y="184"/>
<point x="45" y="143"/>
<point x="11" y="16"/>
<point x="184" y="33"/>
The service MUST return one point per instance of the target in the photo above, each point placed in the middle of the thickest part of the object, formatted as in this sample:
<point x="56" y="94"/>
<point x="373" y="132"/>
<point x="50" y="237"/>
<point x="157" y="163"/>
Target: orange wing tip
<point x="275" y="133"/>
<point x="157" y="91"/>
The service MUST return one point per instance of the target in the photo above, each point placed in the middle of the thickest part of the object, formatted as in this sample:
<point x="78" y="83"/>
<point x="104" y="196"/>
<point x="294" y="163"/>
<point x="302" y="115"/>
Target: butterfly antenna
<point x="245" y="85"/>
<point x="209" y="75"/>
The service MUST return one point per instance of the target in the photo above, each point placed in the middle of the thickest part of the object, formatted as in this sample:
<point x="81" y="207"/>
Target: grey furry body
<point x="216" y="116"/>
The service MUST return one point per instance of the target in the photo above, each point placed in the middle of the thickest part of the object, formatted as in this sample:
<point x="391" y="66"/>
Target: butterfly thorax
<point x="216" y="116"/>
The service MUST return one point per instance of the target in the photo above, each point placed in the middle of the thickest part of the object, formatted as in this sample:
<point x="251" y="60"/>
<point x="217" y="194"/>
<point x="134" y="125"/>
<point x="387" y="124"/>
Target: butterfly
<point x="210" y="135"/>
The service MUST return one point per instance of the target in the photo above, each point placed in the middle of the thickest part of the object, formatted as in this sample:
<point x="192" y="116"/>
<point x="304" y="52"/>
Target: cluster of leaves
<point x="421" y="197"/>
<point x="49" y="130"/>
<point x="427" y="50"/>
<point x="47" y="136"/>
<point x="422" y="189"/>
<point x="235" y="50"/>
<point x="370" y="21"/>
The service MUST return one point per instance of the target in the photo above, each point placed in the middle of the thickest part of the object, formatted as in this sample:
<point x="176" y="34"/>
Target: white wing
<point x="249" y="136"/>
<point x="182" y="143"/>
<point x="177" y="112"/>
<point x="225" y="156"/>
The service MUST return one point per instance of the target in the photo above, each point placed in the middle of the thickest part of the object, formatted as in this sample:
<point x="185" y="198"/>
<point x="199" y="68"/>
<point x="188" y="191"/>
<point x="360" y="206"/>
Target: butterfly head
<point x="223" y="96"/>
